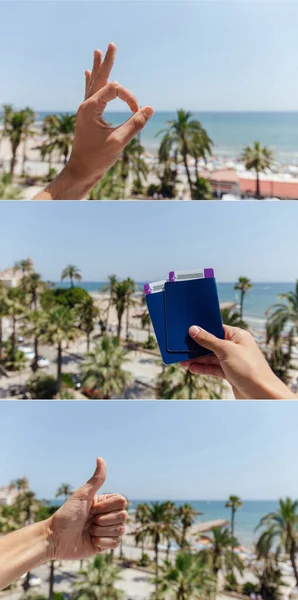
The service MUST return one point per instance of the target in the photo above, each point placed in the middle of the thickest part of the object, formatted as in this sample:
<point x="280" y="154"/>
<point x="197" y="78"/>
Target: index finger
<point x="108" y="504"/>
<point x="104" y="72"/>
<point x="115" y="90"/>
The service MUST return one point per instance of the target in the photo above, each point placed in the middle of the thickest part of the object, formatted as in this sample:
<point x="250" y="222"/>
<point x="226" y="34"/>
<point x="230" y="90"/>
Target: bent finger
<point x="136" y="123"/>
<point x="105" y="543"/>
<point x="103" y="74"/>
<point x="108" y="505"/>
<point x="115" y="90"/>
<point x="113" y="531"/>
<point x="212" y="370"/>
<point x="114" y="518"/>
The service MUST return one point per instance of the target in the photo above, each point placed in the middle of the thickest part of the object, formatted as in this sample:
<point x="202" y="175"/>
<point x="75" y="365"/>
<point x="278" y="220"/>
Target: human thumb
<point x="135" y="124"/>
<point x="97" y="480"/>
<point x="207" y="340"/>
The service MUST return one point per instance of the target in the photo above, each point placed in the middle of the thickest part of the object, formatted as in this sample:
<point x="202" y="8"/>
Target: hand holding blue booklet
<point x="186" y="298"/>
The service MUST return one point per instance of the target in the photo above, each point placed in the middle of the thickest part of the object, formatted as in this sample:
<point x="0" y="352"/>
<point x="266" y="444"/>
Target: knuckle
<point x="123" y="515"/>
<point x="140" y="120"/>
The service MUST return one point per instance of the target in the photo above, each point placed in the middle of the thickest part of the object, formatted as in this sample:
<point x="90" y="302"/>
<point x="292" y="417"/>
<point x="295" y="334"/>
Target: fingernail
<point x="149" y="112"/>
<point x="194" y="330"/>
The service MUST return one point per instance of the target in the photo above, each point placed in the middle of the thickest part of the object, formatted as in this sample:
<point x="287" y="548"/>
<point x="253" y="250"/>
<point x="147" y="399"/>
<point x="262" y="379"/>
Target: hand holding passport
<point x="186" y="298"/>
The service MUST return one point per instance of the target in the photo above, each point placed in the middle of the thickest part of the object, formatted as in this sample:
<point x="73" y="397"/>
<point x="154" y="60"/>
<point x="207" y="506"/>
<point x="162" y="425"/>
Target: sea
<point x="230" y="131"/>
<point x="256" y="302"/>
<point x="246" y="520"/>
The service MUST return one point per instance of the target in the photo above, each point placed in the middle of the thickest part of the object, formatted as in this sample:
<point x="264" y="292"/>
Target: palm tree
<point x="130" y="301"/>
<point x="59" y="328"/>
<point x="110" y="289"/>
<point x="244" y="285"/>
<point x="233" y="503"/>
<point x="257" y="158"/>
<point x="189" y="578"/>
<point x="34" y="325"/>
<point x="121" y="295"/>
<point x="3" y="313"/>
<point x="283" y="313"/>
<point x="200" y="147"/>
<point x="64" y="490"/>
<point x="187" y="515"/>
<point x="16" y="129"/>
<point x="146" y="322"/>
<point x="171" y="519"/>
<point x="156" y="529"/>
<point x="203" y="189"/>
<point x="21" y="484"/>
<point x="176" y="383"/>
<point x="221" y="552"/>
<point x="87" y="313"/>
<point x="15" y="308"/>
<point x="231" y="317"/>
<point x="132" y="163"/>
<point x="110" y="187"/>
<point x="71" y="272"/>
<point x="97" y="581"/>
<point x="279" y="353"/>
<point x="48" y="146"/>
<point x="5" y="119"/>
<point x="61" y="129"/>
<point x="33" y="287"/>
<point x="28" y="122"/>
<point x="8" y="519"/>
<point x="179" y="136"/>
<point x="280" y="532"/>
<point x="7" y="190"/>
<point x="142" y="517"/>
<point x="24" y="265"/>
<point x="102" y="370"/>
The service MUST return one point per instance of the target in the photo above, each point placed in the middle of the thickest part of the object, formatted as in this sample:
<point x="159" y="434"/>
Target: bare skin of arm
<point x="73" y="532"/>
<point x="97" y="145"/>
<point x="238" y="359"/>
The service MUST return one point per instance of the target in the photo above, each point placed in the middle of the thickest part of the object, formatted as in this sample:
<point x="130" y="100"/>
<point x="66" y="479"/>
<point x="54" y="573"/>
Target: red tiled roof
<point x="288" y="190"/>
<point x="221" y="175"/>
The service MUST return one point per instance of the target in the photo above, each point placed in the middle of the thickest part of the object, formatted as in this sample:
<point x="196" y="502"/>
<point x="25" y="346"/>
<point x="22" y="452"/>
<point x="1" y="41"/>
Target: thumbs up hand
<point x="86" y="523"/>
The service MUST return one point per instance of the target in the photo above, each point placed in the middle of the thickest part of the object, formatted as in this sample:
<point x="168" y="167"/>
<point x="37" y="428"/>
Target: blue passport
<point x="156" y="308"/>
<point x="191" y="302"/>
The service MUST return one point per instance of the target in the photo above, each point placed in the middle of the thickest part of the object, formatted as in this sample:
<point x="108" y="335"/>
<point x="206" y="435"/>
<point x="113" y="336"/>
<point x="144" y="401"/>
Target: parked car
<point x="42" y="362"/>
<point x="28" y="351"/>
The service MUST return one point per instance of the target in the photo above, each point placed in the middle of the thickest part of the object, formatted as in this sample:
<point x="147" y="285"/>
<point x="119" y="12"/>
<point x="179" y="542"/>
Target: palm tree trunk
<point x="258" y="186"/>
<point x="168" y="549"/>
<point x="127" y="322"/>
<point x="59" y="367"/>
<point x="197" y="168"/>
<point x="241" y="304"/>
<point x="108" y="313"/>
<point x="184" y="154"/>
<point x="233" y="521"/>
<point x="13" y="338"/>
<point x="293" y="560"/>
<point x="183" y="537"/>
<point x="119" y="326"/>
<point x="13" y="161"/>
<point x="51" y="579"/>
<point x="35" y="362"/>
<point x="71" y="281"/>
<point x="156" y="559"/>
<point x="24" y="156"/>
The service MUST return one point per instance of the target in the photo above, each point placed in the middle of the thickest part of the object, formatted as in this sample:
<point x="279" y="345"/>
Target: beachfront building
<point x="10" y="277"/>
<point x="243" y="185"/>
<point x="7" y="495"/>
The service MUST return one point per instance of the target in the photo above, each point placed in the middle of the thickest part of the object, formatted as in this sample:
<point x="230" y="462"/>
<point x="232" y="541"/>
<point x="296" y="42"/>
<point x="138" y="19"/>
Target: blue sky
<point x="146" y="240"/>
<point x="201" y="55"/>
<point x="178" y="450"/>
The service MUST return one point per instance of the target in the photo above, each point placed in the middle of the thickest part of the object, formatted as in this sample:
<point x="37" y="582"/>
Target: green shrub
<point x="42" y="387"/>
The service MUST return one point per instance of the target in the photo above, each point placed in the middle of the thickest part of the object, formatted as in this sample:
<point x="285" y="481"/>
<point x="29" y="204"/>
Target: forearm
<point x="275" y="389"/>
<point x="23" y="550"/>
<point x="67" y="186"/>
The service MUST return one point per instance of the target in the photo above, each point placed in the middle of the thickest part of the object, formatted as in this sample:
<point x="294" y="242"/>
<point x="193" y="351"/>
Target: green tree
<point x="102" y="370"/>
<point x="98" y="581"/>
<point x="71" y="272"/>
<point x="280" y="531"/>
<point x="5" y="119"/>
<point x="15" y="309"/>
<point x="16" y="131"/>
<point x="110" y="290"/>
<point x="156" y="529"/>
<point x="8" y="519"/>
<point x="49" y="132"/>
<point x="189" y="578"/>
<point x="130" y="300"/>
<point x="7" y="190"/>
<point x="283" y="313"/>
<point x="60" y="129"/>
<point x="29" y="119"/>
<point x="34" y="288"/>
<point x="279" y="355"/>
<point x="121" y="296"/>
<point x="25" y="266"/>
<point x="200" y="147"/>
<point x="202" y="189"/>
<point x="42" y="387"/>
<point x="3" y="313"/>
<point x="176" y="383"/>
<point x="110" y="187"/>
<point x="243" y="285"/>
<point x="87" y="314"/>
<point x="33" y="326"/>
<point x="231" y="317"/>
<point x="59" y="328"/>
<point x="179" y="137"/>
<point x="257" y="158"/>
<point x="142" y="518"/>
<point x="64" y="490"/>
<point x="132" y="163"/>
<point x="221" y="552"/>
<point x="187" y="515"/>
<point x="234" y="503"/>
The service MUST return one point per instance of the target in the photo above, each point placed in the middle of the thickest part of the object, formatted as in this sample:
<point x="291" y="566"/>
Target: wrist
<point x="275" y="389"/>
<point x="50" y="541"/>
